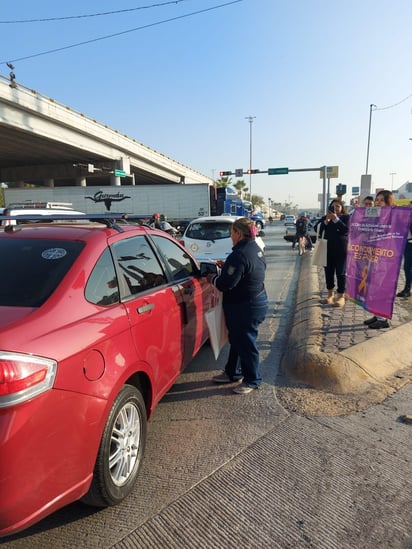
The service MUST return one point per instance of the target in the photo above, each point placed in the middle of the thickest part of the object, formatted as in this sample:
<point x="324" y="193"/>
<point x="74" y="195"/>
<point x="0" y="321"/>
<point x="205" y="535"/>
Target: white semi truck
<point x="179" y="204"/>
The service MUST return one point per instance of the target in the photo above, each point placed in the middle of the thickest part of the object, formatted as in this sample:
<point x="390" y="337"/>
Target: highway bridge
<point x="46" y="143"/>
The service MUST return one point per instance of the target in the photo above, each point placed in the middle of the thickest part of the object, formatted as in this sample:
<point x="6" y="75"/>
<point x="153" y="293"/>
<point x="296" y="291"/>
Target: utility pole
<point x="369" y="136"/>
<point x="392" y="174"/>
<point x="250" y="120"/>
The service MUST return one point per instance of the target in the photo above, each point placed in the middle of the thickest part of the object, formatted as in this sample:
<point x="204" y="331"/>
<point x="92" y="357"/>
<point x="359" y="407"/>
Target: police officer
<point x="245" y="305"/>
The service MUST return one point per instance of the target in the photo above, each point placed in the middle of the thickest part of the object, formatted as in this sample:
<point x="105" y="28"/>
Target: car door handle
<point x="145" y="308"/>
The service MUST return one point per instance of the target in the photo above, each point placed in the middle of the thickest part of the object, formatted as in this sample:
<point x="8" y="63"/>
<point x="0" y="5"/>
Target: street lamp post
<point x="250" y="120"/>
<point x="392" y="174"/>
<point x="369" y="136"/>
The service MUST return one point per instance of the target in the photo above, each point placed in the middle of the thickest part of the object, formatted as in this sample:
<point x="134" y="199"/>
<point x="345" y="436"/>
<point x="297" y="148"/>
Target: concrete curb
<point x="375" y="368"/>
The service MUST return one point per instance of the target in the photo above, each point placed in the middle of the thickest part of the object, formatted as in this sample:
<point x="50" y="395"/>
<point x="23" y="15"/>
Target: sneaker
<point x="379" y="324"/>
<point x="370" y="321"/>
<point x="244" y="389"/>
<point x="224" y="378"/>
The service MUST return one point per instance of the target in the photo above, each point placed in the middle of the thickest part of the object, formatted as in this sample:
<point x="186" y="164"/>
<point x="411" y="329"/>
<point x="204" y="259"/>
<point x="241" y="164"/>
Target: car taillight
<point x="23" y="377"/>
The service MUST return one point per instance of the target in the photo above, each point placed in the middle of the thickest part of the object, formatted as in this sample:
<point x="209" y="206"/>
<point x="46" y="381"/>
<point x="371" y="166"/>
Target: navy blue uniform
<point x="245" y="306"/>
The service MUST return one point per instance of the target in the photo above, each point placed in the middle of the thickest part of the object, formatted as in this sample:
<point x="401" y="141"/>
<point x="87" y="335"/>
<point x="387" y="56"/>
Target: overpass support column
<point x="115" y="181"/>
<point x="81" y="182"/>
<point x="49" y="182"/>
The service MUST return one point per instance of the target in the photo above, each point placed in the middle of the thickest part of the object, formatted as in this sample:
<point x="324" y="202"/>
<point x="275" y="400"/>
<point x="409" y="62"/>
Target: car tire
<point x="121" y="450"/>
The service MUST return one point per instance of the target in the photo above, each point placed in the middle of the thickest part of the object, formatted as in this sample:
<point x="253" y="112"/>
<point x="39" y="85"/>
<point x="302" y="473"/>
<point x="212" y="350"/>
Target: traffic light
<point x="340" y="189"/>
<point x="253" y="171"/>
<point x="224" y="174"/>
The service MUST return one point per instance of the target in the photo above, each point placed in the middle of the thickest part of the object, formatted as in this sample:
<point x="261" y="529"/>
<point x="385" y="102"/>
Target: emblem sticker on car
<point x="54" y="253"/>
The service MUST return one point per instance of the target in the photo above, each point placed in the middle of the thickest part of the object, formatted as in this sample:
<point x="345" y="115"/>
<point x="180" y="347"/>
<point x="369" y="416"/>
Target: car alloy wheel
<point x="121" y="450"/>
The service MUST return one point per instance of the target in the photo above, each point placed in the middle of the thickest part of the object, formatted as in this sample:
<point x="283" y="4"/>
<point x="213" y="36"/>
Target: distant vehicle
<point x="97" y="320"/>
<point x="209" y="237"/>
<point x="290" y="219"/>
<point x="26" y="210"/>
<point x="179" y="204"/>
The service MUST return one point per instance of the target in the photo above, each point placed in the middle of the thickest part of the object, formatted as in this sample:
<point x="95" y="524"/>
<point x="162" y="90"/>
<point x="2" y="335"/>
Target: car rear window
<point x="209" y="231"/>
<point x="32" y="269"/>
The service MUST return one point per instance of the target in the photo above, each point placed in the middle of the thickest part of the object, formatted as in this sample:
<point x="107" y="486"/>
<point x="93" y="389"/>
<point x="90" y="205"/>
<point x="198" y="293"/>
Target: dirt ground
<point x="308" y="401"/>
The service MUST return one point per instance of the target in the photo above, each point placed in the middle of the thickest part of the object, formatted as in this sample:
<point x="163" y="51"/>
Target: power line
<point x="48" y="19"/>
<point x="391" y="106"/>
<point x="55" y="50"/>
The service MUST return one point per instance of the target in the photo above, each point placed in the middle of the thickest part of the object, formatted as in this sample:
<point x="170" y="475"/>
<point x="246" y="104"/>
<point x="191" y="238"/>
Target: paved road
<point x="224" y="470"/>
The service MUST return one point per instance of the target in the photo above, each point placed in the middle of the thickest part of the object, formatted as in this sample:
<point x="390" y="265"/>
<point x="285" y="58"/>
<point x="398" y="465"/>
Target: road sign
<point x="119" y="173"/>
<point x="278" y="171"/>
<point x="331" y="171"/>
<point x="355" y="191"/>
<point x="340" y="189"/>
<point x="239" y="172"/>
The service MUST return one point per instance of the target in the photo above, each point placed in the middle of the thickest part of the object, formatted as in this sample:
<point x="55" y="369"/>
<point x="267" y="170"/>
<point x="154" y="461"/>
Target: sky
<point x="184" y="77"/>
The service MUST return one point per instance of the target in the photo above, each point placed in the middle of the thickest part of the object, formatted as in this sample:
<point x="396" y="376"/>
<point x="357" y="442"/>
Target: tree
<point x="257" y="200"/>
<point x="223" y="182"/>
<point x="240" y="186"/>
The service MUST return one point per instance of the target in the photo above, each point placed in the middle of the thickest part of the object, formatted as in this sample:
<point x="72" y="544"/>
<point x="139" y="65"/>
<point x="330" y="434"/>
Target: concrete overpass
<point x="46" y="143"/>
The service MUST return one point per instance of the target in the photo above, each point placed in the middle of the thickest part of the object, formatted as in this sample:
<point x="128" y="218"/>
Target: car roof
<point x="216" y="218"/>
<point x="74" y="226"/>
<point x="69" y="231"/>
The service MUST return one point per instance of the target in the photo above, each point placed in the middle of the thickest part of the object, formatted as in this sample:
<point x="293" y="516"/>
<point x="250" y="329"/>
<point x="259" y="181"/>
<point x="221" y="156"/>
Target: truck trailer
<point x="177" y="203"/>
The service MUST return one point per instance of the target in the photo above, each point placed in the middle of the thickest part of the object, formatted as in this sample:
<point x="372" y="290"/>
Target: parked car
<point x="209" y="237"/>
<point x="97" y="320"/>
<point x="290" y="219"/>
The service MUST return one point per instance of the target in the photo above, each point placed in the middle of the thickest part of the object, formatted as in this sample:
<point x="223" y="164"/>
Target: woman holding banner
<point x="383" y="198"/>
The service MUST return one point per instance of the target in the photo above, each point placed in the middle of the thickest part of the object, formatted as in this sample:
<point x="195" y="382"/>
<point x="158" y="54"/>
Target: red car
<point x="97" y="320"/>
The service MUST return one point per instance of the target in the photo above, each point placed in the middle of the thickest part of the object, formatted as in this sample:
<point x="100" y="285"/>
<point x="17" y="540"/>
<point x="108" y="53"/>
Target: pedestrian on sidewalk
<point x="245" y="305"/>
<point x="407" y="264"/>
<point x="334" y="225"/>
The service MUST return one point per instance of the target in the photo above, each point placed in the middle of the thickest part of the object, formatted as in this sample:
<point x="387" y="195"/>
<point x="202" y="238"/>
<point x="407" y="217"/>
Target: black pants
<point x="336" y="266"/>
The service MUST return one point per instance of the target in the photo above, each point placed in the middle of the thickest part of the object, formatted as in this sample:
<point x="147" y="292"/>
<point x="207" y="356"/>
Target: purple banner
<point x="377" y="239"/>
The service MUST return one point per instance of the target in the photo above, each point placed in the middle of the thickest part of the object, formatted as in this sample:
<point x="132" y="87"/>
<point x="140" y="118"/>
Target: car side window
<point x="138" y="265"/>
<point x="177" y="260"/>
<point x="102" y="287"/>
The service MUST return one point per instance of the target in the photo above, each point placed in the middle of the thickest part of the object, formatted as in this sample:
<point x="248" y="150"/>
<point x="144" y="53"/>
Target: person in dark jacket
<point x="335" y="227"/>
<point x="407" y="264"/>
<point x="245" y="305"/>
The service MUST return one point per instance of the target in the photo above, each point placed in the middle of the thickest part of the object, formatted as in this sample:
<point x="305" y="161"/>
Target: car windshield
<point x="32" y="269"/>
<point x="209" y="231"/>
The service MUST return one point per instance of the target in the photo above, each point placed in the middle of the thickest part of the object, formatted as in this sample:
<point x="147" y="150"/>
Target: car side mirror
<point x="207" y="268"/>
